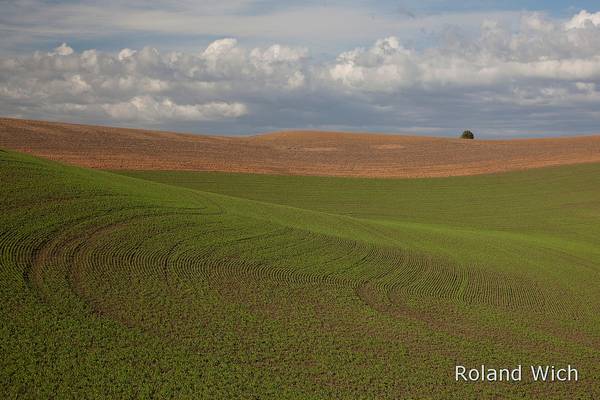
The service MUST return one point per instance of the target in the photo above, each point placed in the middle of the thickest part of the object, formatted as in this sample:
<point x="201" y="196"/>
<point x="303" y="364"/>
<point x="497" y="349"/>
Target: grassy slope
<point x="534" y="222"/>
<point x="113" y="286"/>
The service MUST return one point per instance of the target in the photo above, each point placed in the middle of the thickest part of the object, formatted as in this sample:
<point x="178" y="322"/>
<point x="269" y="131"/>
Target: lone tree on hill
<point x="467" y="135"/>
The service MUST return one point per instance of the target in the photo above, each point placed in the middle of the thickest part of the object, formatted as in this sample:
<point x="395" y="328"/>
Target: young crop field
<point x="165" y="284"/>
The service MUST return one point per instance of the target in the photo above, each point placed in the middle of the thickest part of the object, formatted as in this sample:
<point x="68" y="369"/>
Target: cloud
<point x="148" y="109"/>
<point x="386" y="66"/>
<point x="325" y="26"/>
<point x="534" y="74"/>
<point x="146" y="85"/>
<point x="62" y="50"/>
<point x="542" y="50"/>
<point x="582" y="19"/>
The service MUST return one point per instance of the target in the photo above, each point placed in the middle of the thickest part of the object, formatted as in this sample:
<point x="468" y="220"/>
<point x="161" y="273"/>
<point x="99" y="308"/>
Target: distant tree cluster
<point x="467" y="135"/>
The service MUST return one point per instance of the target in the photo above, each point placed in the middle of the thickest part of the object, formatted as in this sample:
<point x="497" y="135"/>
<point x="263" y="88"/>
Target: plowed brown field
<point x="297" y="152"/>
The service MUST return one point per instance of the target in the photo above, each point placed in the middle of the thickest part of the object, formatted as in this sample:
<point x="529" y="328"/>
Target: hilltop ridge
<point x="319" y="153"/>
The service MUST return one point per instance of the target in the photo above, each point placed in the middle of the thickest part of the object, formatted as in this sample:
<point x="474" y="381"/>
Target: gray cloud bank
<point x="542" y="78"/>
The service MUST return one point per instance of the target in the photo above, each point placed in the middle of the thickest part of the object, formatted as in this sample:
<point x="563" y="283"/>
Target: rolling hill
<point x="291" y="153"/>
<point x="188" y="284"/>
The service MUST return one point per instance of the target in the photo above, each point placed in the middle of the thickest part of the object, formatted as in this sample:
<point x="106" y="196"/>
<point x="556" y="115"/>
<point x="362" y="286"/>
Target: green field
<point x="213" y="285"/>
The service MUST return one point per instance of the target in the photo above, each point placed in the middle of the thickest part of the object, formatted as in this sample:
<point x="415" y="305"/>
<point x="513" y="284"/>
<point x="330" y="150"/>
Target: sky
<point x="499" y="68"/>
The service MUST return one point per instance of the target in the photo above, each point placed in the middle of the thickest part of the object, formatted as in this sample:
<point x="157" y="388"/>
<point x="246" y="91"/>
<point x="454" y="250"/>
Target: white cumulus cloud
<point x="62" y="50"/>
<point x="582" y="19"/>
<point x="148" y="109"/>
<point x="535" y="74"/>
<point x="541" y="50"/>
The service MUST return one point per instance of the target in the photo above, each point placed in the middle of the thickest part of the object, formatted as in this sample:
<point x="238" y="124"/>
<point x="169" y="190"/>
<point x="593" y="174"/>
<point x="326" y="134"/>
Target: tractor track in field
<point x="162" y="247"/>
<point x="382" y="279"/>
<point x="386" y="280"/>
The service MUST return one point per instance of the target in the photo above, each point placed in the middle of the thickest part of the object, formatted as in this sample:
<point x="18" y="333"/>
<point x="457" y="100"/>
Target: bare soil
<point x="293" y="153"/>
